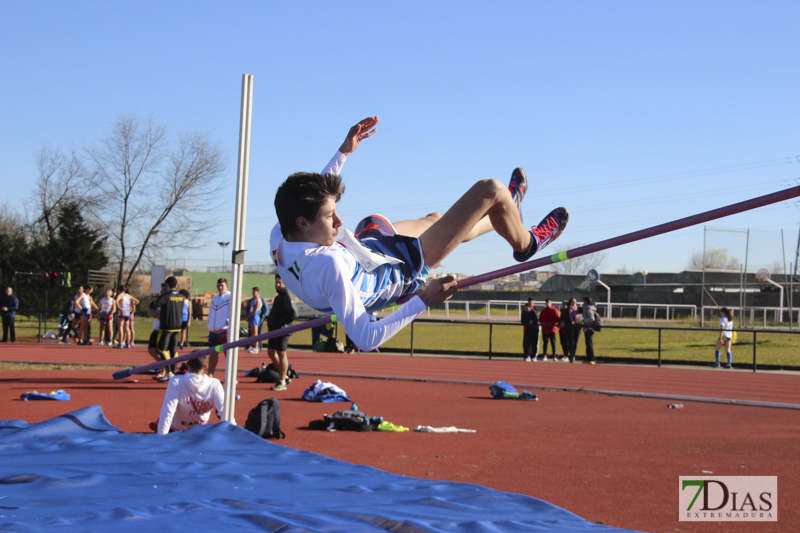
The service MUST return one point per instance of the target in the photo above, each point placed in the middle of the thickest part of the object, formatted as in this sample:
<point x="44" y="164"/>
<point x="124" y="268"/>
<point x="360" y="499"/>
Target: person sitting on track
<point x="189" y="399"/>
<point x="335" y="271"/>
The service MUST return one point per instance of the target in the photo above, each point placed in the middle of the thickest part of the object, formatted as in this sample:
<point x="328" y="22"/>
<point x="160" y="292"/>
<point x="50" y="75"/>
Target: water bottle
<point x="263" y="366"/>
<point x="354" y="407"/>
<point x="675" y="406"/>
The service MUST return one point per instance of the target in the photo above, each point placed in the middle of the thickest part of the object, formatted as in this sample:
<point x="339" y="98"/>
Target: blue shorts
<point x="378" y="234"/>
<point x="254" y="322"/>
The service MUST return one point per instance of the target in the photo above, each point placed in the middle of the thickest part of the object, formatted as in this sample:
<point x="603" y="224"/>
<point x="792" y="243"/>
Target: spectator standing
<point x="155" y="314"/>
<point x="530" y="331"/>
<point x="576" y="324"/>
<point x="725" y="339"/>
<point x="281" y="315"/>
<point x="219" y="316"/>
<point x="589" y="318"/>
<point x="189" y="399"/>
<point x="8" y="310"/>
<point x="187" y="307"/>
<point x="565" y="330"/>
<point x="132" y="325"/>
<point x="264" y="313"/>
<point x="548" y="320"/>
<point x="92" y="310"/>
<point x="83" y="310"/>
<point x="108" y="307"/>
<point x="170" y="316"/>
<point x="73" y="320"/>
<point x="254" y="316"/>
<point x="125" y="303"/>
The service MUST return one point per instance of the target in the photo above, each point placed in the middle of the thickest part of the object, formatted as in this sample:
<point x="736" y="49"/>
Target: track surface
<point x="609" y="458"/>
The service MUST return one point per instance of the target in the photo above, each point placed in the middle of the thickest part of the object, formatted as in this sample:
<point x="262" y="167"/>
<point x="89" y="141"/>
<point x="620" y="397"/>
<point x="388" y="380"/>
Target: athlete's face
<point x="324" y="229"/>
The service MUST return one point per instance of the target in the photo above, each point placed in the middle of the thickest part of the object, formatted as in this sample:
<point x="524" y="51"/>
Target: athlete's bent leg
<point x="465" y="221"/>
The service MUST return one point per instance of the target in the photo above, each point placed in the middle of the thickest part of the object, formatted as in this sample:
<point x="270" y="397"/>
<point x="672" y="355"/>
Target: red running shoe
<point x="546" y="232"/>
<point x="518" y="186"/>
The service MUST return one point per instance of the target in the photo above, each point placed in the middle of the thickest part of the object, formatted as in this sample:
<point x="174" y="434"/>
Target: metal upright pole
<point x="746" y="258"/>
<point x="237" y="255"/>
<point x="703" y="282"/>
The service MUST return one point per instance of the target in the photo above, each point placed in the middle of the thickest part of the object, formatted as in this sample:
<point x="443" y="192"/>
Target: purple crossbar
<point x="786" y="194"/>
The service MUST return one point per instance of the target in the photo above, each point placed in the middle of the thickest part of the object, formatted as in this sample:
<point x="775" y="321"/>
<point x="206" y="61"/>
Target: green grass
<point x="776" y="349"/>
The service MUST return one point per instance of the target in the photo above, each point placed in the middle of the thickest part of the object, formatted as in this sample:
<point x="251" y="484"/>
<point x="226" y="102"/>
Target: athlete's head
<point x="300" y="198"/>
<point x="197" y="365"/>
<point x="279" y="286"/>
<point x="222" y="285"/>
<point x="171" y="282"/>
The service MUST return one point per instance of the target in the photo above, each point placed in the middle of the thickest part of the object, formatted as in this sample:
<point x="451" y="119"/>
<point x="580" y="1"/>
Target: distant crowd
<point x="568" y="322"/>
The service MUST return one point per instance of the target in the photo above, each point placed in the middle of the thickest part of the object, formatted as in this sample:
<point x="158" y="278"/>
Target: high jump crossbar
<point x="693" y="220"/>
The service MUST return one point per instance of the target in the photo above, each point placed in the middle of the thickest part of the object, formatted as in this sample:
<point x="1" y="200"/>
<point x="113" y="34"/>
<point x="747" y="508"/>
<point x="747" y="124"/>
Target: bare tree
<point x="715" y="259"/>
<point x="153" y="192"/>
<point x="579" y="265"/>
<point x="61" y="180"/>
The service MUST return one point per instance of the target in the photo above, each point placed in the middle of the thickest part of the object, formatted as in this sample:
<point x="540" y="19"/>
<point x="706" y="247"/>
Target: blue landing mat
<point x="77" y="472"/>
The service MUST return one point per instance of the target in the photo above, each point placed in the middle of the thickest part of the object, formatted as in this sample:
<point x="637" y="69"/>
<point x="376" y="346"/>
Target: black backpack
<point x="265" y="419"/>
<point x="269" y="374"/>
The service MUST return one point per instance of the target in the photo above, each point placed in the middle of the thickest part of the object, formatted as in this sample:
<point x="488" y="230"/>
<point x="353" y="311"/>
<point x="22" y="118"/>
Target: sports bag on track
<point x="265" y="419"/>
<point x="501" y="389"/>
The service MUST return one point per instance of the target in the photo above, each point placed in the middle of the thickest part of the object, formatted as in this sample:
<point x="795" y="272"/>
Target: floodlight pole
<point x="237" y="255"/>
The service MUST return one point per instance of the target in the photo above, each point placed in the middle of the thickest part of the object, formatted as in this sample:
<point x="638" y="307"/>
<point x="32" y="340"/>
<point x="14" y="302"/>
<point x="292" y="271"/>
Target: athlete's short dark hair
<point x="302" y="194"/>
<point x="171" y="282"/>
<point x="196" y="365"/>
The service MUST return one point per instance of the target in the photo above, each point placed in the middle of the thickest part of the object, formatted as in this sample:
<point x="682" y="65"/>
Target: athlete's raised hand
<point x="358" y="133"/>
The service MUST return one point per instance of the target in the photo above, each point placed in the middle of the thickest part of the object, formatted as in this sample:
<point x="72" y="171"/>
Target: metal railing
<point x="638" y="311"/>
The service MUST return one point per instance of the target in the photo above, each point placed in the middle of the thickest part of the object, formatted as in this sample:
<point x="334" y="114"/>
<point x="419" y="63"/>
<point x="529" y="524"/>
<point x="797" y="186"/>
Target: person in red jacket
<point x="548" y="319"/>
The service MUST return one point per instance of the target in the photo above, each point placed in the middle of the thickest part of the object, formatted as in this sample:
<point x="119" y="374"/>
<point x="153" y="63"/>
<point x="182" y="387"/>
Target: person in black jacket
<point x="281" y="314"/>
<point x="170" y="319"/>
<point x="8" y="309"/>
<point x="530" y="335"/>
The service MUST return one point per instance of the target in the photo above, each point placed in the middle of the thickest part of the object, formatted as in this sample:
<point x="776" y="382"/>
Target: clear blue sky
<point x="628" y="113"/>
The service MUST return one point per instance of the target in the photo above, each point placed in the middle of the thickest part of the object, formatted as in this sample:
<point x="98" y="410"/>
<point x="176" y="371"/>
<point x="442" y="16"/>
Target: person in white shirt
<point x="348" y="274"/>
<point x="108" y="306"/>
<point x="725" y="339"/>
<point x="189" y="399"/>
<point x="219" y="315"/>
<point x="125" y="305"/>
